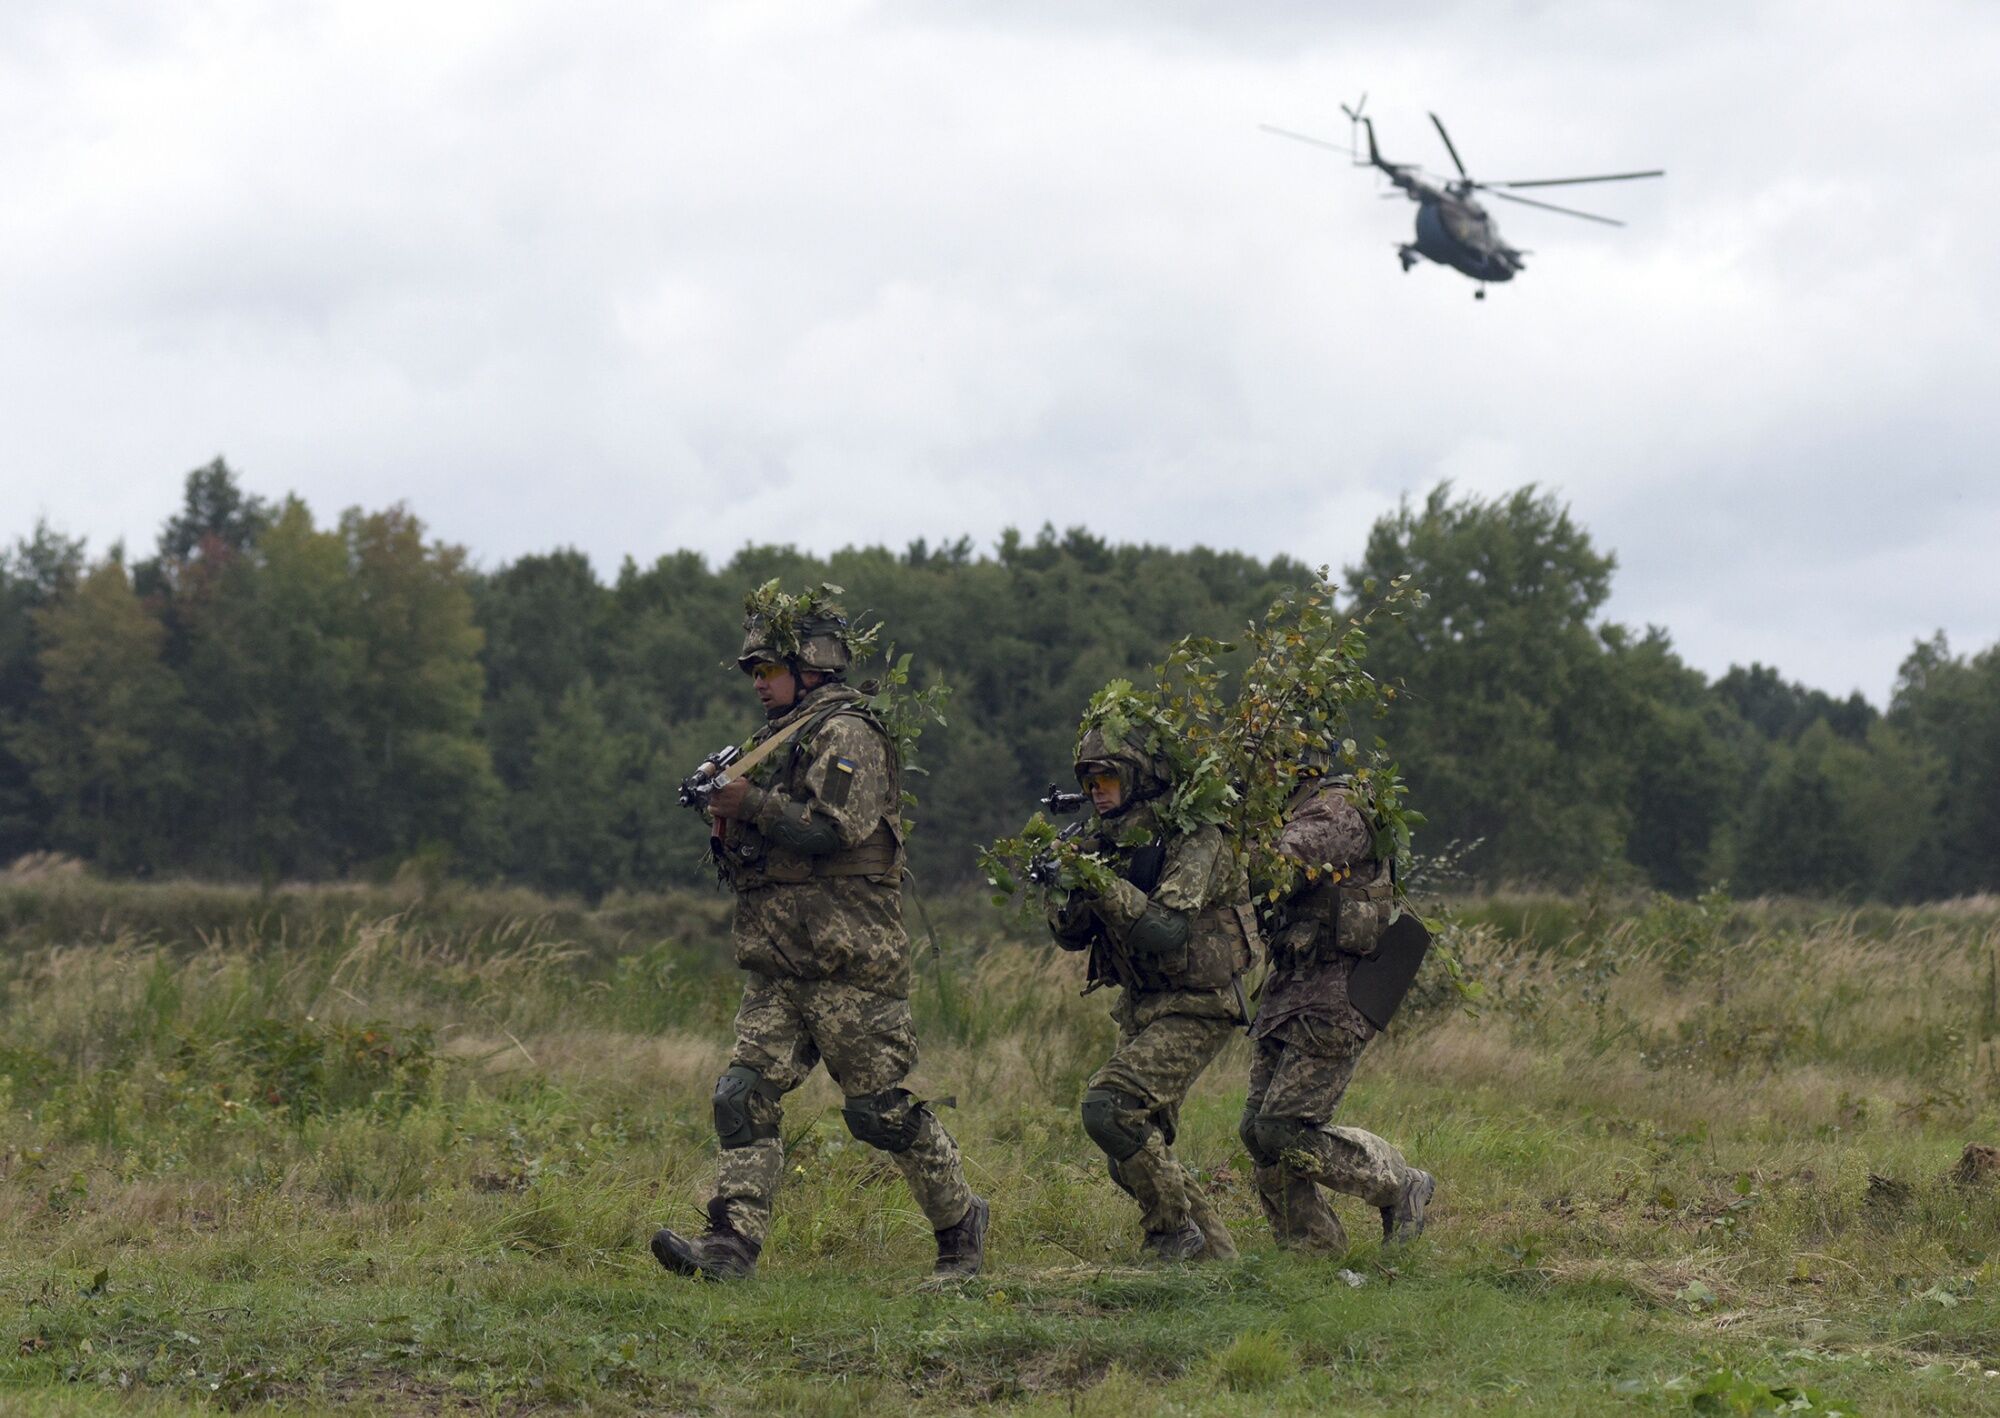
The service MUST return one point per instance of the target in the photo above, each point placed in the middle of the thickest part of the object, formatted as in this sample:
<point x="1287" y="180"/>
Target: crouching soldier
<point x="811" y="842"/>
<point x="1308" y="1035"/>
<point x="1173" y="932"/>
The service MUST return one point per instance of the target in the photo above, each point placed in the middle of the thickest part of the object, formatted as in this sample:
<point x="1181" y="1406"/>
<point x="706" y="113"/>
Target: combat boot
<point x="1404" y="1221"/>
<point x="962" y="1245"/>
<point x="719" y="1253"/>
<point x="1184" y="1244"/>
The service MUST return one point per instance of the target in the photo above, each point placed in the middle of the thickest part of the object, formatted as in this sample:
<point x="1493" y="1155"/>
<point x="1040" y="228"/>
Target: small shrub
<point x="1255" y="1362"/>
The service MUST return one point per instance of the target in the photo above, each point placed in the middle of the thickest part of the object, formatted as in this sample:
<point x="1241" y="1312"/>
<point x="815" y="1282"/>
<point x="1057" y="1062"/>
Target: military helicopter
<point x="1452" y="228"/>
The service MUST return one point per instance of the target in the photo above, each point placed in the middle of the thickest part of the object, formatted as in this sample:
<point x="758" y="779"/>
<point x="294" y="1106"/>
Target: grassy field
<point x="400" y="1152"/>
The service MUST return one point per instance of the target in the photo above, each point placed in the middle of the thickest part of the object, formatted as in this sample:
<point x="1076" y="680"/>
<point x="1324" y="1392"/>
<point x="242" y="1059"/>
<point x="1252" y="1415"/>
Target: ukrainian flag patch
<point x="838" y="781"/>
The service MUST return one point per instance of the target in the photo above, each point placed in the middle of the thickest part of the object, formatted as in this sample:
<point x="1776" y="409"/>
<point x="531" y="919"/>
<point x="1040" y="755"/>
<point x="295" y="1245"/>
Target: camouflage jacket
<point x="834" y="913"/>
<point x="1318" y="933"/>
<point x="1194" y="874"/>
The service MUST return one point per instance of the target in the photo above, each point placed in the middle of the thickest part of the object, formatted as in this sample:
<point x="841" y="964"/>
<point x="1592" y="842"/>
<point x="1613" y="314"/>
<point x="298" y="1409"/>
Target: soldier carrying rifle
<point x="808" y="832"/>
<point x="1330" y="968"/>
<point x="1166" y="919"/>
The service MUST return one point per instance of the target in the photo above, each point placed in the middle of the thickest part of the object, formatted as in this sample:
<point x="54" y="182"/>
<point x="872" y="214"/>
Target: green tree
<point x="1949" y="706"/>
<point x="1804" y="831"/>
<point x="272" y="668"/>
<point x="418" y="687"/>
<point x="101" y="748"/>
<point x="1500" y="729"/>
<point x="544" y="620"/>
<point x="1678" y="751"/>
<point x="564" y="819"/>
<point x="38" y="569"/>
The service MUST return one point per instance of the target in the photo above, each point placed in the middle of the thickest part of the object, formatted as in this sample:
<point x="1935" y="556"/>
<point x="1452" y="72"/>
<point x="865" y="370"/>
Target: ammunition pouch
<point x="734" y="1124"/>
<point x="889" y="1121"/>
<point x="1332" y="918"/>
<point x="880" y="855"/>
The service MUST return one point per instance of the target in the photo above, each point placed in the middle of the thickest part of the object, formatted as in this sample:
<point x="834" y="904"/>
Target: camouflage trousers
<point x="784" y="1028"/>
<point x="1297" y="1077"/>
<point x="1155" y="1064"/>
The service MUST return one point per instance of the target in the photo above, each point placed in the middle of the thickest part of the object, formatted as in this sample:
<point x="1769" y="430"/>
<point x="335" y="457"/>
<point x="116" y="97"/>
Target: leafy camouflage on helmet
<point x="1145" y="738"/>
<point x="1142" y="775"/>
<point x="812" y="631"/>
<point x="809" y="630"/>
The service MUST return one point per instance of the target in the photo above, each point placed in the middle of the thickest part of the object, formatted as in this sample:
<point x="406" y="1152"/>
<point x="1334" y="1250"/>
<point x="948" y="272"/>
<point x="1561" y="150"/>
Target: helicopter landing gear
<point x="1408" y="256"/>
<point x="1479" y="294"/>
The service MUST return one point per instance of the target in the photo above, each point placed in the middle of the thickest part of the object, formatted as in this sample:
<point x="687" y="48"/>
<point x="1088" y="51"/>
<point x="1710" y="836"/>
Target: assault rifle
<point x="696" y="787"/>
<point x="1042" y="867"/>
<point x="714" y="772"/>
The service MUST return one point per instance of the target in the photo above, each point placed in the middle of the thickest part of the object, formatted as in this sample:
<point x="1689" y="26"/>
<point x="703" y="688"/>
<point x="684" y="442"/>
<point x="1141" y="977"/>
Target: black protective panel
<point x="1380" y="981"/>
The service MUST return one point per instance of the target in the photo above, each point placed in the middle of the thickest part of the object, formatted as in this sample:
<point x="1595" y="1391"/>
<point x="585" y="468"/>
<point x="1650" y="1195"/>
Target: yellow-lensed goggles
<point x="1100" y="782"/>
<point x="764" y="669"/>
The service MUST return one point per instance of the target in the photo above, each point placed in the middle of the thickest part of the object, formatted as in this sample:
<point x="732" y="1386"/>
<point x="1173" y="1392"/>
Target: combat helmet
<point x="1142" y="775"/>
<point x="808" y="631"/>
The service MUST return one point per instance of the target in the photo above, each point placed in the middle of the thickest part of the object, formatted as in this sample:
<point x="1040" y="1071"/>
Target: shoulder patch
<point x="839" y="783"/>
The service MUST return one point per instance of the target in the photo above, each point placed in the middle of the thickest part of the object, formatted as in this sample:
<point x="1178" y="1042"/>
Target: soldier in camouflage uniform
<point x="1174" y="933"/>
<point x="1308" y="1036"/>
<point x="814" y="850"/>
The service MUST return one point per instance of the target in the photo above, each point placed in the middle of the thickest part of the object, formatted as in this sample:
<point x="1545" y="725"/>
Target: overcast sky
<point x="635" y="277"/>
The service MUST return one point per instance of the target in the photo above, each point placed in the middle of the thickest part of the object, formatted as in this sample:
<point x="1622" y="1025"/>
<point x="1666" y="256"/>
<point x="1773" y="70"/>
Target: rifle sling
<point x="742" y="766"/>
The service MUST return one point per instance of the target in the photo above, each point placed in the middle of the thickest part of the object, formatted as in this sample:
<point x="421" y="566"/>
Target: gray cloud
<point x="635" y="278"/>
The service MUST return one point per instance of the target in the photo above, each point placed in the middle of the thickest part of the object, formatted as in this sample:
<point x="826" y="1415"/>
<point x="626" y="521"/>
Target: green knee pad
<point x="734" y="1127"/>
<point x="1268" y="1139"/>
<point x="887" y="1120"/>
<point x="1116" y="1122"/>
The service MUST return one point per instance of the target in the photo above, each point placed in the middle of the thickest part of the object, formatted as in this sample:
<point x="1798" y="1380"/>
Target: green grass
<point x="400" y="1153"/>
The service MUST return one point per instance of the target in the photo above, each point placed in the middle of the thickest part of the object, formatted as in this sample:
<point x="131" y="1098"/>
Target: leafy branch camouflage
<point x="785" y="620"/>
<point x="1237" y="747"/>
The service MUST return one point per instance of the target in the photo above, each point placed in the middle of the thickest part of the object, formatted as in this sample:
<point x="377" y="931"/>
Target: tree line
<point x="269" y="697"/>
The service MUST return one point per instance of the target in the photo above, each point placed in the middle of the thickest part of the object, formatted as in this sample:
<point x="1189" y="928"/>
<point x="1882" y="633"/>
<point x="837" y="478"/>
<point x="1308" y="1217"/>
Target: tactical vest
<point x="754" y="860"/>
<point x="1344" y="915"/>
<point x="1217" y="951"/>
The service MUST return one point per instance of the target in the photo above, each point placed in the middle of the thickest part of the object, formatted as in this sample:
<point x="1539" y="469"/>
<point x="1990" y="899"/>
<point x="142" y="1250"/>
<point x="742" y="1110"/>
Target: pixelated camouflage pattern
<point x="1308" y="1037"/>
<point x="784" y="1029"/>
<point x="1141" y="775"/>
<point x="806" y="918"/>
<point x="1326" y="925"/>
<point x="1157" y="1062"/>
<point x="827" y="955"/>
<point x="1301" y="1073"/>
<point x="844" y="928"/>
<point x="1200" y="877"/>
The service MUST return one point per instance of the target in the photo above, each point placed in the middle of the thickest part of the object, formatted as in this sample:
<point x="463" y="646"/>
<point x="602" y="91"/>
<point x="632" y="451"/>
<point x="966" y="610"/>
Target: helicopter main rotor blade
<point x="1302" y="138"/>
<point x="1450" y="149"/>
<point x="1568" y="181"/>
<point x="1552" y="207"/>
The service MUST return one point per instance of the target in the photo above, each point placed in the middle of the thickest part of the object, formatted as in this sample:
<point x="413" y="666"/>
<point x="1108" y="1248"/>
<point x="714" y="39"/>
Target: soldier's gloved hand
<point x="1070" y="918"/>
<point x="736" y="799"/>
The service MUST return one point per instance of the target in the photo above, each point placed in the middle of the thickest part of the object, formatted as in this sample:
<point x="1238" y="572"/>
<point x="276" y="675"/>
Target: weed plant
<point x="399" y="1150"/>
